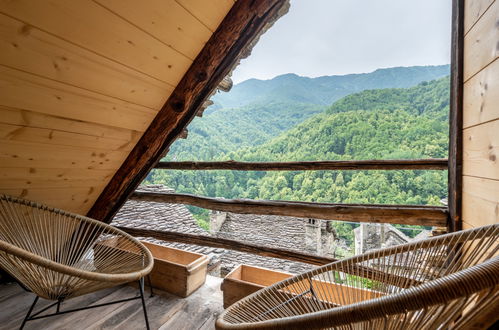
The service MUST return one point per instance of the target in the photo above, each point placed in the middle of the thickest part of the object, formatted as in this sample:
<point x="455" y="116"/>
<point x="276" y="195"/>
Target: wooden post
<point x="456" y="118"/>
<point x="240" y="27"/>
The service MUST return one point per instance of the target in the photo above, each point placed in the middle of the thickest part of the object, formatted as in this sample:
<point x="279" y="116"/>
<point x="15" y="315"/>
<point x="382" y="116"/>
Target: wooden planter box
<point x="177" y="271"/>
<point x="244" y="280"/>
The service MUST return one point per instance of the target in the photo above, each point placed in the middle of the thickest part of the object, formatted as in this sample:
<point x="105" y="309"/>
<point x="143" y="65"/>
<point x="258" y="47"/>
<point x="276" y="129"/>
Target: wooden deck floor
<point x="198" y="311"/>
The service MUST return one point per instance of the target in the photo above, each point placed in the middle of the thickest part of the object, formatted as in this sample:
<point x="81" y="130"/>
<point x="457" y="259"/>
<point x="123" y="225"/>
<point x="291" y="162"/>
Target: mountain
<point x="395" y="123"/>
<point x="400" y="123"/>
<point x="255" y="111"/>
<point x="324" y="90"/>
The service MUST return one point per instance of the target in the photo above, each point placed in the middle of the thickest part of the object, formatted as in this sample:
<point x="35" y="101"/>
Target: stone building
<point x="372" y="236"/>
<point x="286" y="232"/>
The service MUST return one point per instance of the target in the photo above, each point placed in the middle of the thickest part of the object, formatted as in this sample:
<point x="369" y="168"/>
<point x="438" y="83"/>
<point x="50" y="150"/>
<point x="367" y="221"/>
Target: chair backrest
<point x="431" y="280"/>
<point x="45" y="247"/>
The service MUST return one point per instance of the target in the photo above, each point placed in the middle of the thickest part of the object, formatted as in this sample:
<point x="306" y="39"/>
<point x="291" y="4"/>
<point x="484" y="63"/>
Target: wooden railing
<point x="224" y="243"/>
<point x="398" y="164"/>
<point x="397" y="214"/>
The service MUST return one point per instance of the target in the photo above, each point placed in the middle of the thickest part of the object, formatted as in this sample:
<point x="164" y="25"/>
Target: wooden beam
<point x="237" y="31"/>
<point x="456" y="119"/>
<point x="398" y="214"/>
<point x="230" y="244"/>
<point x="413" y="164"/>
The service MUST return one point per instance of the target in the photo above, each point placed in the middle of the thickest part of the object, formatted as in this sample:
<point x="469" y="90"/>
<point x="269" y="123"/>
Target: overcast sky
<point x="329" y="37"/>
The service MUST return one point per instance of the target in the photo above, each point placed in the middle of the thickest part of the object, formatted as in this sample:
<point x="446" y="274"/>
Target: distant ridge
<point x="326" y="89"/>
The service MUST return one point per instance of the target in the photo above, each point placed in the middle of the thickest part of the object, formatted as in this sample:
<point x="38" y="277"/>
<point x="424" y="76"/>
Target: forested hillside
<point x="255" y="111"/>
<point x="381" y="124"/>
<point x="374" y="124"/>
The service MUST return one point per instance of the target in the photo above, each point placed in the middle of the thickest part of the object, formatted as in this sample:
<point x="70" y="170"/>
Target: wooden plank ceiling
<point x="81" y="80"/>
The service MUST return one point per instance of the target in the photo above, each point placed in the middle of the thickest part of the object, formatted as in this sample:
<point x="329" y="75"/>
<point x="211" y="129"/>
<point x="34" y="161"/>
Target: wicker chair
<point x="449" y="281"/>
<point x="59" y="255"/>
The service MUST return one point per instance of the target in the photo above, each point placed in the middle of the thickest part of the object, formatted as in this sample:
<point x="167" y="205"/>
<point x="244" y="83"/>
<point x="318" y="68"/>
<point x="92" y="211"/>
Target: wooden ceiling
<point x="81" y="81"/>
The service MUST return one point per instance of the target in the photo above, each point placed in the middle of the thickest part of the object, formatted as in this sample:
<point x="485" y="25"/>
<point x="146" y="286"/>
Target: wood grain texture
<point x="454" y="188"/>
<point x="412" y="164"/>
<point x="39" y="155"/>
<point x="480" y="201"/>
<point x="99" y="30"/>
<point x="481" y="44"/>
<point x="14" y="116"/>
<point x="77" y="199"/>
<point x="167" y="21"/>
<point x="29" y="92"/>
<point x="46" y="55"/>
<point x="481" y="96"/>
<point x="481" y="150"/>
<point x="238" y="29"/>
<point x="24" y="177"/>
<point x="62" y="138"/>
<point x="473" y="10"/>
<point x="210" y="13"/>
<point x="399" y="214"/>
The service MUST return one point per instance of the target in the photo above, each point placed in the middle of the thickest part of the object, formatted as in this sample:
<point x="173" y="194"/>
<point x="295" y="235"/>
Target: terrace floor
<point x="166" y="311"/>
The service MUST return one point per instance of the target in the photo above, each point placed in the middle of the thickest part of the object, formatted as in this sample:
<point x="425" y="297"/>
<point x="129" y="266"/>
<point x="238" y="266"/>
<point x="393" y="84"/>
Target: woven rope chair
<point x="59" y="255"/>
<point x="442" y="282"/>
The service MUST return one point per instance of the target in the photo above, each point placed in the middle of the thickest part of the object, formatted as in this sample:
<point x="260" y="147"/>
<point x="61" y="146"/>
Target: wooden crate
<point x="177" y="271"/>
<point x="244" y="280"/>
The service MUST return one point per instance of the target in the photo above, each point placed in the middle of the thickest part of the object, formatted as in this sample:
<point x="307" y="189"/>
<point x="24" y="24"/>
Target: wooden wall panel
<point x="480" y="96"/>
<point x="481" y="150"/>
<point x="481" y="44"/>
<point x="480" y="195"/>
<point x="474" y="9"/>
<point x="80" y="81"/>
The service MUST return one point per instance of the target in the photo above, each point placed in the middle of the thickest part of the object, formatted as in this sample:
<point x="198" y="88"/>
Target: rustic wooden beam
<point x="398" y="214"/>
<point x="456" y="118"/>
<point x="399" y="164"/>
<point x="237" y="31"/>
<point x="230" y="244"/>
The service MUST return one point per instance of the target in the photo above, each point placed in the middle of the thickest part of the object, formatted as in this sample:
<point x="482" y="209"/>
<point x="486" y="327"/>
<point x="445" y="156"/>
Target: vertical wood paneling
<point x="481" y="150"/>
<point x="473" y="10"/>
<point x="481" y="44"/>
<point x="481" y="200"/>
<point x="480" y="113"/>
<point x="481" y="96"/>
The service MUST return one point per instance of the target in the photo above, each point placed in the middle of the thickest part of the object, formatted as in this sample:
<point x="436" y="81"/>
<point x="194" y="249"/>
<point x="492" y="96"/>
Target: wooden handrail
<point x="391" y="164"/>
<point x="230" y="244"/>
<point x="397" y="214"/>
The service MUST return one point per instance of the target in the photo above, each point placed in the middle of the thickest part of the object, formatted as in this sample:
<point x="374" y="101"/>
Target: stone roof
<point x="176" y="217"/>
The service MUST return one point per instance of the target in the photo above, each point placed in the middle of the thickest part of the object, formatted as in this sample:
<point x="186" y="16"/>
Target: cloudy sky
<point x="328" y="37"/>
